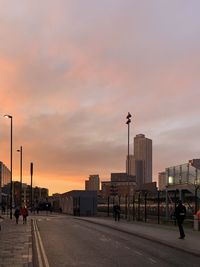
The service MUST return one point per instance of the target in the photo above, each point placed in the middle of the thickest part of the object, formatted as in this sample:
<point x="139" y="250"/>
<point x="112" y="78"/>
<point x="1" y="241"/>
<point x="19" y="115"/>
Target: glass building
<point x="4" y="182"/>
<point x="4" y="175"/>
<point x="188" y="173"/>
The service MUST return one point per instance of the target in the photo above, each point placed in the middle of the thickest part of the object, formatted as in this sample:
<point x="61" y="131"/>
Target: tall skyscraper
<point x="143" y="155"/>
<point x="131" y="165"/>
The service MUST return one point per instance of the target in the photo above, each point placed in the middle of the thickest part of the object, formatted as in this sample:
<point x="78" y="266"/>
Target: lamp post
<point x="20" y="150"/>
<point x="31" y="195"/>
<point x="11" y="133"/>
<point x="128" y="117"/>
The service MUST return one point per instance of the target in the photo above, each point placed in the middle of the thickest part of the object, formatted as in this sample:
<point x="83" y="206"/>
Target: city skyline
<point x="70" y="71"/>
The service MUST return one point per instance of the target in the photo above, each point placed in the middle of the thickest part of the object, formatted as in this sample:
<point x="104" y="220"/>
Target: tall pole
<point x="11" y="150"/>
<point x="31" y="195"/>
<point x="20" y="150"/>
<point x="128" y="117"/>
<point x="196" y="186"/>
<point x="11" y="141"/>
<point x="128" y="149"/>
<point x="158" y="207"/>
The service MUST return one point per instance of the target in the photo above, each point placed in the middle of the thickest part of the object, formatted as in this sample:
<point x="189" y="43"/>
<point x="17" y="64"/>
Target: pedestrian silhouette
<point x="1" y="219"/>
<point x="116" y="210"/>
<point x="3" y="209"/>
<point x="37" y="209"/>
<point x="180" y="212"/>
<point x="17" y="214"/>
<point x="198" y="215"/>
<point x="24" y="213"/>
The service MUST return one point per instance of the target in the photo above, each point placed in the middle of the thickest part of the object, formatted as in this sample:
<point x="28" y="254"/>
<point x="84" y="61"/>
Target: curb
<point x="149" y="238"/>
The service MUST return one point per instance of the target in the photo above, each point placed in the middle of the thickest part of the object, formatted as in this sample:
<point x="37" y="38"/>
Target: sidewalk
<point x="162" y="234"/>
<point x="15" y="243"/>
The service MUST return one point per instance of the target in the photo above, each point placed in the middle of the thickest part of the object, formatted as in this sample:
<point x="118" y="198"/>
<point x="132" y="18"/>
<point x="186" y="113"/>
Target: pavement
<point x="16" y="241"/>
<point x="159" y="233"/>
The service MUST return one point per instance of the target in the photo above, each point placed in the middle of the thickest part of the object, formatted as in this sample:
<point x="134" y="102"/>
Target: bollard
<point x="196" y="223"/>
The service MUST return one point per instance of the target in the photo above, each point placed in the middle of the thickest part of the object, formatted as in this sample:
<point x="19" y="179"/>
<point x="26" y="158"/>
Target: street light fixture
<point x="128" y="117"/>
<point x="20" y="150"/>
<point x="10" y="117"/>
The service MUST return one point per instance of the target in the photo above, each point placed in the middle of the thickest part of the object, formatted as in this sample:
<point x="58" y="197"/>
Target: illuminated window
<point x="170" y="179"/>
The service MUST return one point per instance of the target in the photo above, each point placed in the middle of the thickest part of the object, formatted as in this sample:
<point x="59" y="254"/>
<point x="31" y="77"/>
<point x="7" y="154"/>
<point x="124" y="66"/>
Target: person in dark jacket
<point x="1" y="219"/>
<point x="180" y="212"/>
<point x="16" y="214"/>
<point x="116" y="210"/>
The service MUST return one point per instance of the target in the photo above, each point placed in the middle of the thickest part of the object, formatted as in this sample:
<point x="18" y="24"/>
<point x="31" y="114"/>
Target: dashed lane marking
<point x="137" y="252"/>
<point x="152" y="260"/>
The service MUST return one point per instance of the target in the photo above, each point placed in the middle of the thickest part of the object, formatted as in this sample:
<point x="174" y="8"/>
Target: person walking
<point x="198" y="215"/>
<point x="180" y="213"/>
<point x="3" y="209"/>
<point x="117" y="211"/>
<point x="1" y="219"/>
<point x="17" y="214"/>
<point x="24" y="213"/>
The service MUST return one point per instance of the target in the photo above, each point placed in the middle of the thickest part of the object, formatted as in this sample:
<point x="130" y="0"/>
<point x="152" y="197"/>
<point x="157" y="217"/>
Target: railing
<point x="148" y="207"/>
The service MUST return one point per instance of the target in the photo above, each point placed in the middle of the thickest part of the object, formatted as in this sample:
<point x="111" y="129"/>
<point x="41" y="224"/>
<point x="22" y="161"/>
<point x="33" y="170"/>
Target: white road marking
<point x="42" y="258"/>
<point x="104" y="239"/>
<point x="137" y="252"/>
<point x="152" y="260"/>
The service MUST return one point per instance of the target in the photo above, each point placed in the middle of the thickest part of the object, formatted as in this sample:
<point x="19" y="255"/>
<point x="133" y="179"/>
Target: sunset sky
<point x="71" y="70"/>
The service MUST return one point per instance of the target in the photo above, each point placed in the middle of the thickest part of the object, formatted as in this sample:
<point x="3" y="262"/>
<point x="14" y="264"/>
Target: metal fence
<point x="148" y="207"/>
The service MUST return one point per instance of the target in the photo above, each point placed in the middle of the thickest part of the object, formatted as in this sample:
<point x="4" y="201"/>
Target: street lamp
<point x="128" y="117"/>
<point x="20" y="150"/>
<point x="31" y="195"/>
<point x="10" y="117"/>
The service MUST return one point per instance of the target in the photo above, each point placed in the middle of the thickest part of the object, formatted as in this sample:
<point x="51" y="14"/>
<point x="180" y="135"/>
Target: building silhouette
<point x="140" y="163"/>
<point x="93" y="183"/>
<point x="5" y="175"/>
<point x="120" y="184"/>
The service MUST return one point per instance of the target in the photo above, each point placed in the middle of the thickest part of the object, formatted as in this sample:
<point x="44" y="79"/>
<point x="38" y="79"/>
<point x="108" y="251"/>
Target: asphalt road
<point x="70" y="242"/>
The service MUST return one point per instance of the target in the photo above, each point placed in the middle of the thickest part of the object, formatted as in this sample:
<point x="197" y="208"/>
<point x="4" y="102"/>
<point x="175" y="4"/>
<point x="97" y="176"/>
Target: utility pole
<point x="20" y="150"/>
<point x="11" y="158"/>
<point x="31" y="195"/>
<point x="128" y="117"/>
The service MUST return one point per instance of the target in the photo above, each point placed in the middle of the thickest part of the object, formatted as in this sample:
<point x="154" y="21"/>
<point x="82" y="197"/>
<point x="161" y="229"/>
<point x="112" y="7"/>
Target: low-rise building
<point x="79" y="203"/>
<point x="120" y="185"/>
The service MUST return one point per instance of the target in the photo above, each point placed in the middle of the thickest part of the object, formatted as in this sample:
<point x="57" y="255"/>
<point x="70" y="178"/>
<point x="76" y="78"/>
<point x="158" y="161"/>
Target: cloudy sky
<point x="70" y="70"/>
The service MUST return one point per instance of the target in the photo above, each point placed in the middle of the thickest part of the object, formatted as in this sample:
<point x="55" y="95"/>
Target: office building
<point x="188" y="173"/>
<point x="4" y="182"/>
<point x="120" y="184"/>
<point x="142" y="159"/>
<point x="162" y="180"/>
<point x="93" y="183"/>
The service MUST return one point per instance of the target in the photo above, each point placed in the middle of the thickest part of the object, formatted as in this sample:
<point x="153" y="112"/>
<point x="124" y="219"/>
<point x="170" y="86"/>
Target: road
<point x="70" y="242"/>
